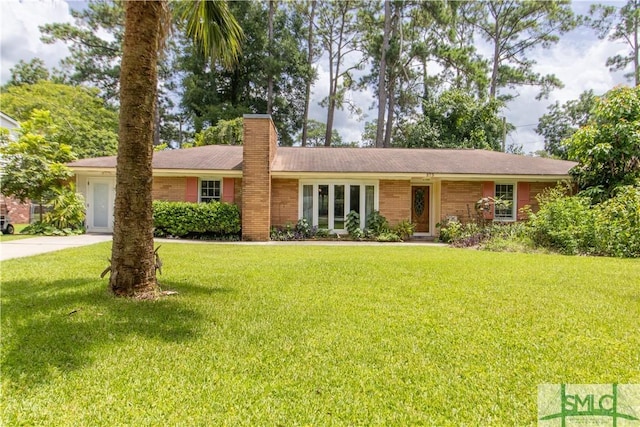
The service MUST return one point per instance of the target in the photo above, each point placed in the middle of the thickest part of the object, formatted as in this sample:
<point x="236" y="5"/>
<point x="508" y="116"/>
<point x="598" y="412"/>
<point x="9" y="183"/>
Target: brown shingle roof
<point x="408" y="160"/>
<point x="210" y="157"/>
<point x="354" y="160"/>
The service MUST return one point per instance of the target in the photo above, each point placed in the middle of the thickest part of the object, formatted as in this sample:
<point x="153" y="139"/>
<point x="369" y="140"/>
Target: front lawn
<point x="16" y="235"/>
<point x="312" y="335"/>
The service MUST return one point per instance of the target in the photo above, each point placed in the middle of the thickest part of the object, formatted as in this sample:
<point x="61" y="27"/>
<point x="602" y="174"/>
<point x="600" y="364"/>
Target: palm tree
<point x="146" y="25"/>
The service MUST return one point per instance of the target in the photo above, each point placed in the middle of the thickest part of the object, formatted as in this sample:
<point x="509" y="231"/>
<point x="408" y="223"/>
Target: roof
<point x="209" y="157"/>
<point x="354" y="160"/>
<point x="413" y="160"/>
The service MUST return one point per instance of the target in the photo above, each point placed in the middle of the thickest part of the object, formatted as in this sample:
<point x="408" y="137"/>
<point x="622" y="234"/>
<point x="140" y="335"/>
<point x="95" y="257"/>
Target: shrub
<point x="301" y="231"/>
<point x="67" y="209"/>
<point x="353" y="225"/>
<point x="388" y="236"/>
<point x="617" y="224"/>
<point x="449" y="230"/>
<point x="563" y="223"/>
<point x="404" y="229"/>
<point x="46" y="229"/>
<point x="182" y="219"/>
<point x="377" y="224"/>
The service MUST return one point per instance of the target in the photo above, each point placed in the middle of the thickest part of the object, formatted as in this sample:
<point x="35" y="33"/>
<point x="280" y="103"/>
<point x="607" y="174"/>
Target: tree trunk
<point x="272" y="9"/>
<point x="636" y="48"/>
<point x="382" y="78"/>
<point x="307" y="93"/>
<point x="332" y="101"/>
<point x="132" y="257"/>
<point x="493" y="89"/>
<point x="392" y="105"/>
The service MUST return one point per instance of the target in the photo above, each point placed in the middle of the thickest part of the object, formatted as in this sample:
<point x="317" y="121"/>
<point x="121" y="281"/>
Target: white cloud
<point x="578" y="60"/>
<point x="20" y="36"/>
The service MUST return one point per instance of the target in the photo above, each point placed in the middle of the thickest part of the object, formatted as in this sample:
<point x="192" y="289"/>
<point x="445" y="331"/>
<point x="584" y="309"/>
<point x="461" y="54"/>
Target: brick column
<point x="258" y="152"/>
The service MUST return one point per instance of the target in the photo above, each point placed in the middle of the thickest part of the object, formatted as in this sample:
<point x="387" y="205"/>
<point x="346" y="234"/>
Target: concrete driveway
<point x="39" y="245"/>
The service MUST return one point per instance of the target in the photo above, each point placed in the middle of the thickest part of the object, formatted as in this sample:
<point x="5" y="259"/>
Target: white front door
<point x="100" y="200"/>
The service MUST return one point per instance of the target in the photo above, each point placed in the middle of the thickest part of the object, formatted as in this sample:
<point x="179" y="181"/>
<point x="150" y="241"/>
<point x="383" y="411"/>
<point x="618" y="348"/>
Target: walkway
<point x="39" y="245"/>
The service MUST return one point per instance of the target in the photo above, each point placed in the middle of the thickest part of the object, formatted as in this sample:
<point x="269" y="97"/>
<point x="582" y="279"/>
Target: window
<point x="210" y="190"/>
<point x="326" y="205"/>
<point x="504" y="193"/>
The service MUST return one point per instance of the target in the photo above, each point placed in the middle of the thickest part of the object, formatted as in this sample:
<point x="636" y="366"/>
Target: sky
<point x="578" y="60"/>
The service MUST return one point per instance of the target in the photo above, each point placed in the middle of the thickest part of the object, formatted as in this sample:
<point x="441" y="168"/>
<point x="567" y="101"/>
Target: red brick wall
<point x="536" y="188"/>
<point x="395" y="200"/>
<point x="18" y="213"/>
<point x="169" y="189"/>
<point x="284" y="201"/>
<point x="457" y="195"/>
<point x="259" y="146"/>
<point x="459" y="198"/>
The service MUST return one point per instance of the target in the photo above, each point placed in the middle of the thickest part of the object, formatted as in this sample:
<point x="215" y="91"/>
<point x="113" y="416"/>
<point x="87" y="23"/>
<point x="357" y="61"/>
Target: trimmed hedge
<point x="182" y="219"/>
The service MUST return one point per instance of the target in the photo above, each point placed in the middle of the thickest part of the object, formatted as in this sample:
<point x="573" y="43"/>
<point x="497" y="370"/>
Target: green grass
<point x="16" y="235"/>
<point x="313" y="335"/>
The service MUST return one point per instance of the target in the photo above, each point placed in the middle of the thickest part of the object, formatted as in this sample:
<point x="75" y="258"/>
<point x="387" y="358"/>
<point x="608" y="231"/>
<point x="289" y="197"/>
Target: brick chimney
<point x="259" y="150"/>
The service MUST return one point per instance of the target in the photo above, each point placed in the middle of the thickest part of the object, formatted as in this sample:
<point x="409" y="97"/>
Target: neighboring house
<point x="19" y="213"/>
<point x="279" y="185"/>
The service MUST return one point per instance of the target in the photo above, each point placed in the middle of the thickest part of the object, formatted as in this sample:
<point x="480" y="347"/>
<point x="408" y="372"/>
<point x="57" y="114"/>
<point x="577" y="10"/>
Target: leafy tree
<point x="35" y="163"/>
<point x="514" y="28"/>
<point x="88" y="125"/>
<point x="457" y="120"/>
<point x="94" y="59"/>
<point x="213" y="93"/>
<point x="564" y="120"/>
<point x="607" y="148"/>
<point x="225" y="132"/>
<point x="146" y="24"/>
<point x="624" y="22"/>
<point x="316" y="134"/>
<point x="28" y="72"/>
<point x="420" y="35"/>
<point x="309" y="13"/>
<point x="94" y="41"/>
<point x="339" y="37"/>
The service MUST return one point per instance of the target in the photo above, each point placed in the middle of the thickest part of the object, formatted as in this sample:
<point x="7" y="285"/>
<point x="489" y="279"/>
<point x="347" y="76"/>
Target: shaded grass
<point x="297" y="335"/>
<point x="16" y="235"/>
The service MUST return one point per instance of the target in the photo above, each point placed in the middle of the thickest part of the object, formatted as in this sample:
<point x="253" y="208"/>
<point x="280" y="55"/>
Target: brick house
<point x="279" y="185"/>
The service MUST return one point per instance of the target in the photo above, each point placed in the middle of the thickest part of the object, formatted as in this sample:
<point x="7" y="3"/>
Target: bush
<point x="617" y="224"/>
<point x="301" y="231"/>
<point x="388" y="236"/>
<point x="376" y="224"/>
<point x="182" y="219"/>
<point x="67" y="209"/>
<point x="563" y="223"/>
<point x="353" y="225"/>
<point x="405" y="229"/>
<point x="46" y="229"/>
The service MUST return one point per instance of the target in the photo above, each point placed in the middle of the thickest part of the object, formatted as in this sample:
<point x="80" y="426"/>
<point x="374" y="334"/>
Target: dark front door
<point x="420" y="208"/>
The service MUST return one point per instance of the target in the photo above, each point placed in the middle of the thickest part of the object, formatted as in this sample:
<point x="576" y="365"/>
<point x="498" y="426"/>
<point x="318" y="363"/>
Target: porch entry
<point x="100" y="200"/>
<point x="420" y="208"/>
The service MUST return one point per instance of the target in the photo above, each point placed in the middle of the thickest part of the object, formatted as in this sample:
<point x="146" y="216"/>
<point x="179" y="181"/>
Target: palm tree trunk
<point x="132" y="257"/>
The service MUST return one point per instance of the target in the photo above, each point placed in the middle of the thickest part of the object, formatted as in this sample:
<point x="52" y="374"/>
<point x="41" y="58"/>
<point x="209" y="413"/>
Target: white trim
<point x="210" y="178"/>
<point x="347" y="199"/>
<point x="514" y="202"/>
<point x="90" y="184"/>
